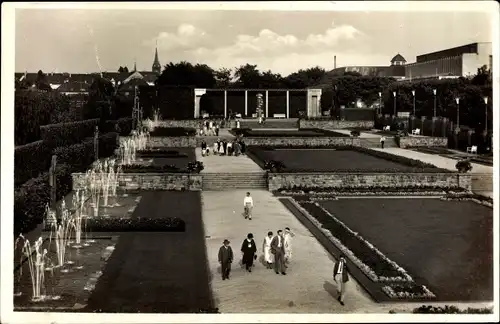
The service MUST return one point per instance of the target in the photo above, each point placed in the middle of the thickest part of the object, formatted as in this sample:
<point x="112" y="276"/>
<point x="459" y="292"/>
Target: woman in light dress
<point x="216" y="147"/>
<point x="288" y="244"/>
<point x="266" y="249"/>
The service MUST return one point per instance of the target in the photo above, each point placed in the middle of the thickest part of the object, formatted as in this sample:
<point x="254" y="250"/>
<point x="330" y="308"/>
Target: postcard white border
<point x="8" y="66"/>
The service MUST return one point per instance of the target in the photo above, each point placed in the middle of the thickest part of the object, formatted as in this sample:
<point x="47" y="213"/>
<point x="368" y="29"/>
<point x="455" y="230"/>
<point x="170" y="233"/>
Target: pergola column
<point x="267" y="104"/>
<point x="198" y="93"/>
<point x="246" y="103"/>
<point x="225" y="103"/>
<point x="287" y="104"/>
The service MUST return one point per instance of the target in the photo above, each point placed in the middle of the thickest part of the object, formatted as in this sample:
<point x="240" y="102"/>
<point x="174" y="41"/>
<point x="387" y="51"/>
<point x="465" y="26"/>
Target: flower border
<point x="362" y="266"/>
<point x="389" y="291"/>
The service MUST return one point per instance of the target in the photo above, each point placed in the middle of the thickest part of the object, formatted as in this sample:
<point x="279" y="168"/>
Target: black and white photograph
<point x="249" y="161"/>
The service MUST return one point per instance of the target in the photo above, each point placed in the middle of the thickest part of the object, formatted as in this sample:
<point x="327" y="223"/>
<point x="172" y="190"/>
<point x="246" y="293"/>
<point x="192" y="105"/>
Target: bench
<point x="416" y="131"/>
<point x="254" y="115"/>
<point x="279" y="115"/>
<point x="472" y="149"/>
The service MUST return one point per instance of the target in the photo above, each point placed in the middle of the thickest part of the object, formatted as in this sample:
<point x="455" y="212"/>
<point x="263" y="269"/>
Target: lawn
<point x="303" y="132"/>
<point x="446" y="245"/>
<point x="158" y="272"/>
<point x="327" y="160"/>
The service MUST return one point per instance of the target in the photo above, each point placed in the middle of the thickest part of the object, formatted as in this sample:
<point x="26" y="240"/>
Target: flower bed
<point x="447" y="309"/>
<point x="302" y="132"/>
<point x="140" y="168"/>
<point x="141" y="224"/>
<point x="326" y="193"/>
<point x="479" y="199"/>
<point x="161" y="153"/>
<point x="409" y="291"/>
<point x="362" y="253"/>
<point x="172" y="132"/>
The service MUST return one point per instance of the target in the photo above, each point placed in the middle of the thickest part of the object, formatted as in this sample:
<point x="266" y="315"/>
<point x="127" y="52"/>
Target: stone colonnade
<point x="313" y="100"/>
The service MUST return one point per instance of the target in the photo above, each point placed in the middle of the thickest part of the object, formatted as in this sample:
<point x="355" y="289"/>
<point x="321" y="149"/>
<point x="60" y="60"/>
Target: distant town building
<point x="461" y="61"/>
<point x="395" y="70"/>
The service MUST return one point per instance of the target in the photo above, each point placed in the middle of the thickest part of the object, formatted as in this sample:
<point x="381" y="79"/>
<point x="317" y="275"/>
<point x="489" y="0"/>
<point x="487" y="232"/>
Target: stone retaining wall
<point x="162" y="142"/>
<point x="422" y="141"/>
<point x="364" y="180"/>
<point x="301" y="141"/>
<point x="192" y="123"/>
<point x="336" y="124"/>
<point x="150" y="181"/>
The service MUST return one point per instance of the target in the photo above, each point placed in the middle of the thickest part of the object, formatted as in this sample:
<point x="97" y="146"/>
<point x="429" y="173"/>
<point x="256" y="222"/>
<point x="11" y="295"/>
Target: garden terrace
<point x="172" y="132"/>
<point x="346" y="159"/>
<point x="302" y="132"/>
<point x="434" y="240"/>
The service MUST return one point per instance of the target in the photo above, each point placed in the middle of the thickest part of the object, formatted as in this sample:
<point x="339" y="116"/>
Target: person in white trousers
<point x="248" y="206"/>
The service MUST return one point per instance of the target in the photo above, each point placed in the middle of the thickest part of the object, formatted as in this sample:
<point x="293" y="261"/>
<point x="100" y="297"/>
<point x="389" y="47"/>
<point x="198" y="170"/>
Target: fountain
<point x="62" y="233"/>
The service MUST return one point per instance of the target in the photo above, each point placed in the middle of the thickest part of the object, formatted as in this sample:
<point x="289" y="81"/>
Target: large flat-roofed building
<point x="461" y="61"/>
<point x="395" y="70"/>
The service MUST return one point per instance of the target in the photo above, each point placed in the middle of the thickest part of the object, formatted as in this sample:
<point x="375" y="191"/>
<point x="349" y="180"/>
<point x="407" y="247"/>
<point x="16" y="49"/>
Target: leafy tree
<point x="305" y="78"/>
<point x="185" y="74"/>
<point x="223" y="78"/>
<point x="248" y="76"/>
<point x="41" y="82"/>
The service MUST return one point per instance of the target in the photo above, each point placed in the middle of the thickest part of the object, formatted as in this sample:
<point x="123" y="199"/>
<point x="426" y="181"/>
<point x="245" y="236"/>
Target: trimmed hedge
<point x="80" y="156"/>
<point x="30" y="161"/>
<point x="68" y="133"/>
<point x="34" y="195"/>
<point x="122" y="126"/>
<point x="161" y="153"/>
<point x="172" y="132"/>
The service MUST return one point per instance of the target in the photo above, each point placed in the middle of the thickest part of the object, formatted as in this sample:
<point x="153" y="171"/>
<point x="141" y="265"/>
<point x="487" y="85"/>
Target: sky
<point x="71" y="40"/>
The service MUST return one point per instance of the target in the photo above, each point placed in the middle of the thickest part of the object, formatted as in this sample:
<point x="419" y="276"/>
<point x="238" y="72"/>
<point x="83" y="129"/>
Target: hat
<point x="226" y="241"/>
<point x="250" y="236"/>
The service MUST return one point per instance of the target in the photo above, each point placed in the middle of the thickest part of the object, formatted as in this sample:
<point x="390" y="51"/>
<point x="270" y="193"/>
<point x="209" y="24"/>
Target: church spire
<point x="135" y="65"/>
<point x="156" y="64"/>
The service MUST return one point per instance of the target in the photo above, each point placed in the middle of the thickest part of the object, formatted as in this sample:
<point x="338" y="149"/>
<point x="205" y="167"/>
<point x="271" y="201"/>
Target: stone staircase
<point x="269" y="123"/>
<point x="370" y="142"/>
<point x="231" y="181"/>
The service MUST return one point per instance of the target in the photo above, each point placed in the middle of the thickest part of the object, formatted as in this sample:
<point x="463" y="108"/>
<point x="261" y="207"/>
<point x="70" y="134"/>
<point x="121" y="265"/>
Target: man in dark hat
<point x="341" y="277"/>
<point x="225" y="259"/>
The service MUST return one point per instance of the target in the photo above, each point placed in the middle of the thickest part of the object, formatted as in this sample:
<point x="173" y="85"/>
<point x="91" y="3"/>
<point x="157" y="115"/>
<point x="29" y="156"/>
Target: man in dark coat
<point x="278" y="249"/>
<point x="225" y="259"/>
<point x="341" y="277"/>
<point x="248" y="248"/>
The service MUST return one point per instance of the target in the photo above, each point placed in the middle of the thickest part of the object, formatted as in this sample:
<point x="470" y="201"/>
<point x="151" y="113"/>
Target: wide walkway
<point x="227" y="164"/>
<point x="308" y="286"/>
<point x="437" y="160"/>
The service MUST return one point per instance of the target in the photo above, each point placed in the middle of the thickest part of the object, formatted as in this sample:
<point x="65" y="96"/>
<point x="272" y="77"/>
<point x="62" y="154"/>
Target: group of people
<point x="277" y="253"/>
<point x="209" y="128"/>
<point x="235" y="147"/>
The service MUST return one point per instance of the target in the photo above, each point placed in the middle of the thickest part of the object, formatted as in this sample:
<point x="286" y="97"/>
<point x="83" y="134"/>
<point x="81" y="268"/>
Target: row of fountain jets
<point x="100" y="181"/>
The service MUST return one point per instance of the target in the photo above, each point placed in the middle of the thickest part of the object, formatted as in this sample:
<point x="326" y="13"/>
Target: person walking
<point x="266" y="250"/>
<point x="217" y="129"/>
<point x="248" y="248"/>
<point x="248" y="206"/>
<point x="288" y="244"/>
<point x="203" y="148"/>
<point x="225" y="259"/>
<point x="341" y="277"/>
<point x="278" y="249"/>
<point x="382" y="141"/>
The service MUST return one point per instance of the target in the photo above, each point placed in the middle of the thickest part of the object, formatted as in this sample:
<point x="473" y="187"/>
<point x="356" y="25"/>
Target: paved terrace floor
<point x="437" y="160"/>
<point x="308" y="286"/>
<point x="227" y="164"/>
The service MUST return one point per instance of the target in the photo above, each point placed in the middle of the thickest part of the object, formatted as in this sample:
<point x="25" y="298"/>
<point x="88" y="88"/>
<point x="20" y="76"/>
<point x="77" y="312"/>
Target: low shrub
<point x="161" y="153"/>
<point x="355" y="133"/>
<point x="64" y="134"/>
<point x="450" y="309"/>
<point x="31" y="199"/>
<point x="30" y="161"/>
<point x="173" y="132"/>
<point x="274" y="166"/>
<point x="124" y="126"/>
<point x="408" y="291"/>
<point x="463" y="166"/>
<point x="140" y="224"/>
<point x="195" y="167"/>
<point x="240" y="131"/>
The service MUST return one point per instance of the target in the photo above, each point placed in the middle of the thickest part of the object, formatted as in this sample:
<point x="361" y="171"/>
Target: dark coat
<point x="225" y="254"/>
<point x="274" y="245"/>
<point x="345" y="276"/>
<point x="249" y="249"/>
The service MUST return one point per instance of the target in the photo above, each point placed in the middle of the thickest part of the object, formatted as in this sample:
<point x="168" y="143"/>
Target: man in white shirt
<point x="341" y="277"/>
<point x="248" y="206"/>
